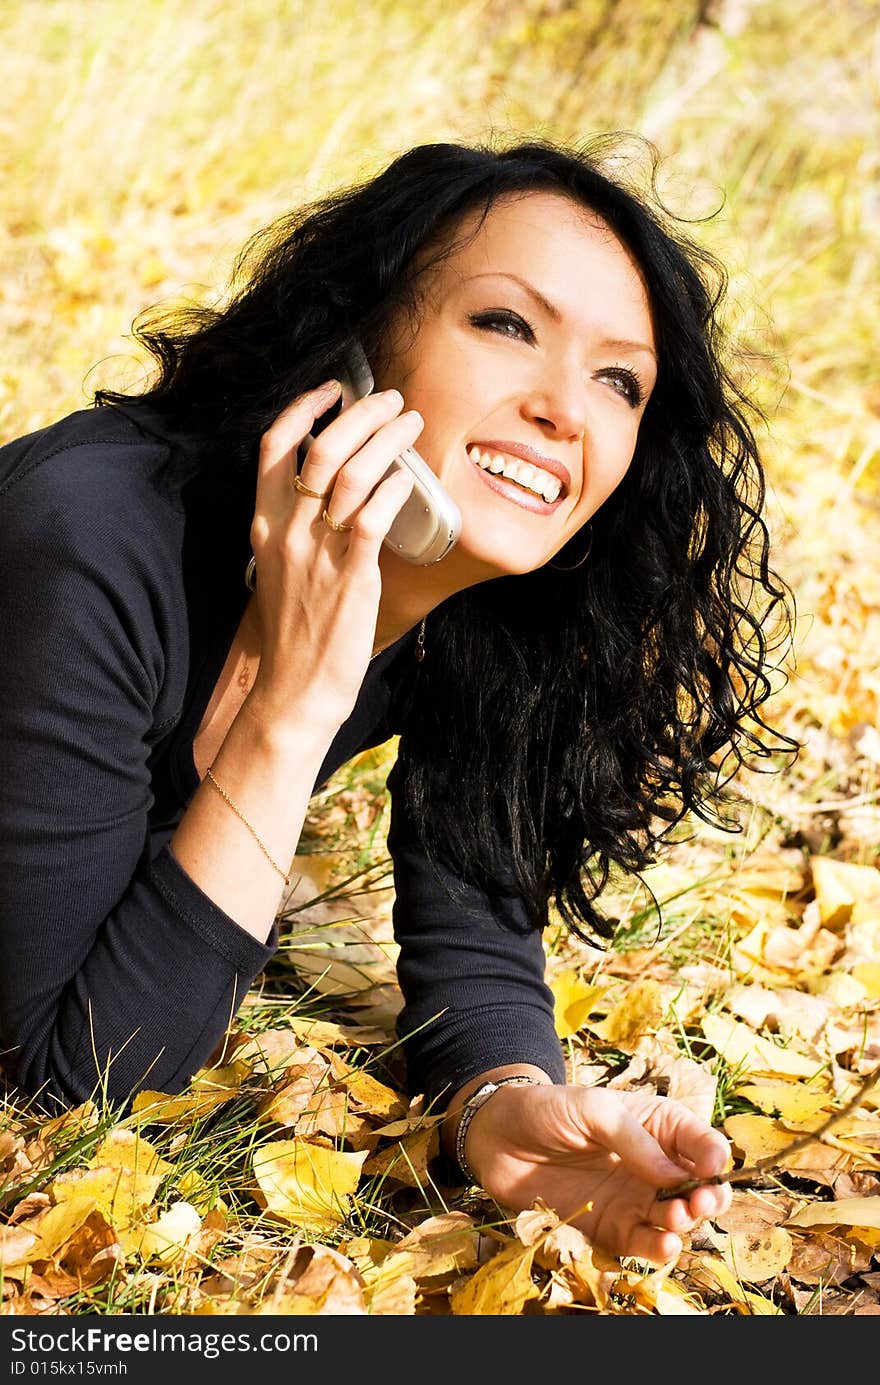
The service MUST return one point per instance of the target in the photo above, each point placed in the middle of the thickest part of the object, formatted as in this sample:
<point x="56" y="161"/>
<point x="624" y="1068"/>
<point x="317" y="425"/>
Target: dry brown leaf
<point x="408" y="1160"/>
<point x="752" y="1211"/>
<point x="16" y="1245"/>
<point x="437" y="1248"/>
<point x="824" y="1258"/>
<point x="298" y="1104"/>
<point x="319" y="1281"/>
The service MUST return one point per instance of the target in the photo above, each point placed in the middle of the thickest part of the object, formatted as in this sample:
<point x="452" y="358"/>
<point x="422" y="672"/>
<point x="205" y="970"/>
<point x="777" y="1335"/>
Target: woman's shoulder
<point x="93" y="454"/>
<point x="95" y="491"/>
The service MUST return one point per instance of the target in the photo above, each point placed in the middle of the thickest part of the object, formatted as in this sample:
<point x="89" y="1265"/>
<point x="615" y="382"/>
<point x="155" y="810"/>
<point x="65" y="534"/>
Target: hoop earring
<point x="571" y="567"/>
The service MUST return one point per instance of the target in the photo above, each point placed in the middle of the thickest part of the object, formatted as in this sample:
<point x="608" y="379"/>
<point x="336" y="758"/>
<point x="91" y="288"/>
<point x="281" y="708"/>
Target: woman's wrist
<point x="449" y="1130"/>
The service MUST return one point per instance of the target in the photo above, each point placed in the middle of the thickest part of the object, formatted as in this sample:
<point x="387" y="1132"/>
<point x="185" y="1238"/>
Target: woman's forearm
<point x="268" y="770"/>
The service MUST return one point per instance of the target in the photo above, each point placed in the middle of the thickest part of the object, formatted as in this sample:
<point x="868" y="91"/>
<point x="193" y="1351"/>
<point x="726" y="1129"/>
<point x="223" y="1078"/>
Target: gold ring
<point x="334" y="525"/>
<point x="301" y="486"/>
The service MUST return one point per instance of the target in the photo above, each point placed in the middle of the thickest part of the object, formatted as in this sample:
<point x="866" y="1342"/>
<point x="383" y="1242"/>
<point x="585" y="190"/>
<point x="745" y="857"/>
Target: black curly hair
<point x="577" y="715"/>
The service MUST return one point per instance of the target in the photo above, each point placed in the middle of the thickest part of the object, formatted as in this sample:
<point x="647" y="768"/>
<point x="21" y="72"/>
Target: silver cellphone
<point x="429" y="523"/>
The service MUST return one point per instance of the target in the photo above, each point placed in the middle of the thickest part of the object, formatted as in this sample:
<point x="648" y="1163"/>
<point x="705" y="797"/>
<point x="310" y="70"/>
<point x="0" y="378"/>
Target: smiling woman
<point x="575" y="671"/>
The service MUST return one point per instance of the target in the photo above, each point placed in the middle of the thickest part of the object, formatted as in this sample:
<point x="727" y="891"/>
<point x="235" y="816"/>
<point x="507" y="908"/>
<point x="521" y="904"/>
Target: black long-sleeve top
<point x="121" y="587"/>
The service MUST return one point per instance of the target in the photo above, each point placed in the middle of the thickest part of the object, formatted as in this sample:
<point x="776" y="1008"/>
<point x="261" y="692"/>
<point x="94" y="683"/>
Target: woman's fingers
<point x="375" y="517"/>
<point x="356" y="480"/>
<point x="346" y="436"/>
<point x="606" y="1119"/>
<point x="285" y="434"/>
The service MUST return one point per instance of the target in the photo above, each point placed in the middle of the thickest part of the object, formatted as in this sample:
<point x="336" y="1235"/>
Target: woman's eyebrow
<point x="622" y="344"/>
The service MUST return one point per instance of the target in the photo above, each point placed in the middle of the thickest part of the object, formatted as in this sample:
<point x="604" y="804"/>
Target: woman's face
<point x="531" y="363"/>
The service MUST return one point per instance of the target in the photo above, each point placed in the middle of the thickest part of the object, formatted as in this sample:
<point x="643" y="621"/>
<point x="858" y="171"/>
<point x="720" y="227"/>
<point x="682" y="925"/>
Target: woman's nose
<point x="559" y="401"/>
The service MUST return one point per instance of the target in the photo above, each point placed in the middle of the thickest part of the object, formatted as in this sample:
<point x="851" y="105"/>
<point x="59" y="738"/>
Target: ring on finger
<point x="305" y="490"/>
<point x="334" y="524"/>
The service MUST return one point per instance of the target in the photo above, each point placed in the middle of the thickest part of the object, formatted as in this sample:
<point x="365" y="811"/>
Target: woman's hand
<point x="317" y="589"/>
<point x="576" y="1146"/>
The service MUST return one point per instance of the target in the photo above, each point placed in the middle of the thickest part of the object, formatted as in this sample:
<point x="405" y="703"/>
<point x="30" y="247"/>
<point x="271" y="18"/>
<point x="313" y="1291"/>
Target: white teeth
<point x="531" y="478"/>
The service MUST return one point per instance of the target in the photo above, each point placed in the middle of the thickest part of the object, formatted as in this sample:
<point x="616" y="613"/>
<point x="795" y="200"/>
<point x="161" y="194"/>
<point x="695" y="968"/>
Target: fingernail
<point x="328" y="387"/>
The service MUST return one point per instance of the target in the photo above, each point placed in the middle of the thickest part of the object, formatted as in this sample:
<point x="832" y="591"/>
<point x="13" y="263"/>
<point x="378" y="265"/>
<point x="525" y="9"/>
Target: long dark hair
<point x="574" y="716"/>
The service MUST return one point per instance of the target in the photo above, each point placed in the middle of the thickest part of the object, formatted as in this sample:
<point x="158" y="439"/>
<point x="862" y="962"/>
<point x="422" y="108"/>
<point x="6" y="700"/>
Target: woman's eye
<point x="627" y="383"/>
<point x="507" y="323"/>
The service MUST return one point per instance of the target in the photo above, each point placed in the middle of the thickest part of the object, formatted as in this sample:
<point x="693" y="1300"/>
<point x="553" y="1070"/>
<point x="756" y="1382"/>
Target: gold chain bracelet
<point x="223" y="794"/>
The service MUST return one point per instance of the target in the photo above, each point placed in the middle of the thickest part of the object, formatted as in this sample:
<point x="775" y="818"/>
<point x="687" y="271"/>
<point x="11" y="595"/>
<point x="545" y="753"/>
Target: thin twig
<point x="754" y="1170"/>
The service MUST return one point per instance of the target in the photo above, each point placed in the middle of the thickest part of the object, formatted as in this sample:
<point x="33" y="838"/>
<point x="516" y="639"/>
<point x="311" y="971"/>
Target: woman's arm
<point x="477" y="1009"/>
<point x="121" y="972"/>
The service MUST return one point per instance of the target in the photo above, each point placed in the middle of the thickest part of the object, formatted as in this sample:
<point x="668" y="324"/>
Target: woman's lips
<point x="518" y="494"/>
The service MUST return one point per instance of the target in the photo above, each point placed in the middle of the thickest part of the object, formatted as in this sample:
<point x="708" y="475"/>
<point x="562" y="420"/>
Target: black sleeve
<point x="118" y="972"/>
<point x="471" y="972"/>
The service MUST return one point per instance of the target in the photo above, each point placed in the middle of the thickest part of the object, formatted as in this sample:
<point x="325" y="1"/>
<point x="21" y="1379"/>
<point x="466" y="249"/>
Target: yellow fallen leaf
<point x="57" y="1225"/>
<point x="848" y="1211"/>
<point x="16" y="1245"/>
<point x="209" y="1089"/>
<point x="762" y="1307"/>
<point x="757" y="1256"/>
<point x="307" y="1184"/>
<point x="391" y="1294"/>
<point x="868" y="973"/>
<point x="656" y="1290"/>
<point x="202" y="1194"/>
<point x="320" y="1281"/>
<point x="119" y="1193"/>
<point x="442" y="1245"/>
<point x="368" y="1093"/>
<point x="791" y="1101"/>
<point x="742" y="1048"/>
<point x="168" y="1239"/>
<point x="77" y="1121"/>
<point x="710" y="1271"/>
<point x="501" y="1287"/>
<point x="574" y="999"/>
<point x="640" y="1012"/>
<point x="325" y="1032"/>
<point x="126" y="1149"/>
<point x="759" y="1137"/>
<point x="845" y="892"/>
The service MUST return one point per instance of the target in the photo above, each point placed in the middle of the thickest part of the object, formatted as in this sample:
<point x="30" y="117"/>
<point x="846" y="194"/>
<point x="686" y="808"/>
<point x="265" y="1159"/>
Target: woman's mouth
<point x="529" y="486"/>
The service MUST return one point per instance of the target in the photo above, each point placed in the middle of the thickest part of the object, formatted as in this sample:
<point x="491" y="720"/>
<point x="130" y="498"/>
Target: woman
<point x="588" y="662"/>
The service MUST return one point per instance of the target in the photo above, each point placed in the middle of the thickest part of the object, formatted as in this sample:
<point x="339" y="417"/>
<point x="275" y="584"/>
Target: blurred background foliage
<point x="141" y="143"/>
